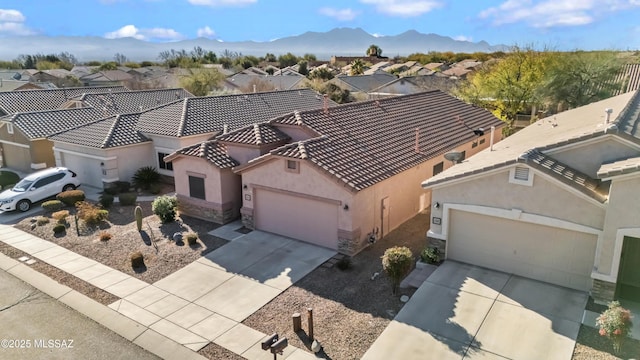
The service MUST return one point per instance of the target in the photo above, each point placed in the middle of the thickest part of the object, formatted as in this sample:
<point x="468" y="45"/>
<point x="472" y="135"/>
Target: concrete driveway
<point x="467" y="312"/>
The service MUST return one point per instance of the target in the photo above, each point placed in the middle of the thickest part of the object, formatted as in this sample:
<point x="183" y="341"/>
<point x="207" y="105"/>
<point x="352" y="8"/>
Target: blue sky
<point x="558" y="24"/>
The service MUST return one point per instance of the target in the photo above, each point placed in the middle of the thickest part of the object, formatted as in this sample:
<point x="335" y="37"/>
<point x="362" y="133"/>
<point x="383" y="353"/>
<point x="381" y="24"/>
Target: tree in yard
<point x="374" y="50"/>
<point x="357" y="67"/>
<point x="508" y="86"/>
<point x="580" y="78"/>
<point x="321" y="74"/>
<point x="287" y="59"/>
<point x="303" y="68"/>
<point x="111" y="65"/>
<point x="200" y="82"/>
<point x="396" y="262"/>
<point x="269" y="57"/>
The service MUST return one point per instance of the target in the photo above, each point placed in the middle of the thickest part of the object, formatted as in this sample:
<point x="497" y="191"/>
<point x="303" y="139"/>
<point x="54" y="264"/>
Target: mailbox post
<point x="274" y="344"/>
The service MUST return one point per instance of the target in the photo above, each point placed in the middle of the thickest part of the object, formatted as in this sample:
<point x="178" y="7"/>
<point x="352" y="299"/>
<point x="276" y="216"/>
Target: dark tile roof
<point x="107" y="75"/>
<point x="366" y="142"/>
<point x="565" y="173"/>
<point x="40" y="124"/>
<point x="279" y="82"/>
<point x="202" y="115"/>
<point x="258" y="134"/>
<point x="41" y="100"/>
<point x="114" y="131"/>
<point x="212" y="150"/>
<point x="123" y="102"/>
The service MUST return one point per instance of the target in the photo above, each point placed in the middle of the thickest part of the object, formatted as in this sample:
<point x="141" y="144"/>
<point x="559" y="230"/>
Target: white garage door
<point x="548" y="254"/>
<point x="300" y="218"/>
<point x="88" y="170"/>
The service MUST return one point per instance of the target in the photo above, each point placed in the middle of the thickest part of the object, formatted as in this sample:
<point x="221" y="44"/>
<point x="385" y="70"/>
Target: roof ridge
<point x="258" y="133"/>
<point x="111" y="131"/>
<point x="303" y="150"/>
<point x="183" y="119"/>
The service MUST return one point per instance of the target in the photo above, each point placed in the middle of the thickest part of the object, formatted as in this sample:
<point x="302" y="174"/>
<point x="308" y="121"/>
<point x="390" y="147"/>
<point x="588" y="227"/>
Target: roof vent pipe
<point x="493" y="130"/>
<point x="607" y="118"/>
<point x="225" y="128"/>
<point x="255" y="88"/>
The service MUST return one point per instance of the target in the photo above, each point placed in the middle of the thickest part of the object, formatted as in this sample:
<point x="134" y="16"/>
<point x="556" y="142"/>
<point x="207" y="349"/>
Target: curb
<point x="131" y="330"/>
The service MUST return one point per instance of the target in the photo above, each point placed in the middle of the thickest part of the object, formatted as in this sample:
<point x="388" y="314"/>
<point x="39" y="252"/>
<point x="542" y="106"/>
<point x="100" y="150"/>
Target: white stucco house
<point x="559" y="201"/>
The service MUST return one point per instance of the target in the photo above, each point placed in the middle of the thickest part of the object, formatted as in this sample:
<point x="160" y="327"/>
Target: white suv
<point x="38" y="186"/>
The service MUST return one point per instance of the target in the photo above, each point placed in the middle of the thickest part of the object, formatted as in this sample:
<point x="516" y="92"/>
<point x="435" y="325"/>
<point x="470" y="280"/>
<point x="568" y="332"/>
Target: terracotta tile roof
<point x="622" y="167"/>
<point x="565" y="128"/>
<point x="123" y="102"/>
<point x="209" y="114"/>
<point x="108" y="75"/>
<point x="258" y="134"/>
<point x="40" y="124"/>
<point x="366" y="142"/>
<point x="41" y="100"/>
<point x="212" y="150"/>
<point x="114" y="131"/>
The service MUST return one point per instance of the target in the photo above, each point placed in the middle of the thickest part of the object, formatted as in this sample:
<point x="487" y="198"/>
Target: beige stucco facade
<point x="23" y="154"/>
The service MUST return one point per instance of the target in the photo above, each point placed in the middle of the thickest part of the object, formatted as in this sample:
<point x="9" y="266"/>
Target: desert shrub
<point x="430" y="255"/>
<point x="105" y="200"/>
<point x="104" y="236"/>
<point x="344" y="263"/>
<point x="155" y="189"/>
<point x="61" y="216"/>
<point x="145" y="177"/>
<point x="59" y="228"/>
<point x="111" y="190"/>
<point x="137" y="260"/>
<point x="128" y="199"/>
<point x="52" y="205"/>
<point x="8" y="178"/>
<point x="71" y="197"/>
<point x="192" y="238"/>
<point x="122" y="186"/>
<point x="397" y="262"/>
<point x="91" y="214"/>
<point x="165" y="207"/>
<point x="42" y="220"/>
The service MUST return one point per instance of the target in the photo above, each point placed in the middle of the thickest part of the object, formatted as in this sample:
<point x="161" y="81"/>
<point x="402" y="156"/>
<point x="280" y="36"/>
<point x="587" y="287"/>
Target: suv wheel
<point x="68" y="187"/>
<point x="23" y="205"/>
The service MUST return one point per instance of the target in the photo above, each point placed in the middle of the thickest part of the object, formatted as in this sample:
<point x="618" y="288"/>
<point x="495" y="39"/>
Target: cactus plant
<point x="138" y="214"/>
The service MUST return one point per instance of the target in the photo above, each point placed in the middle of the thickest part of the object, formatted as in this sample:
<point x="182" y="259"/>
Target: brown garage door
<point x="305" y="219"/>
<point x="544" y="253"/>
<point x="16" y="157"/>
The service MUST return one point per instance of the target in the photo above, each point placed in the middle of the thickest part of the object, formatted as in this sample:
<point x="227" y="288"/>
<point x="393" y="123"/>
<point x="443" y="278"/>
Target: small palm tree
<point x="357" y="67"/>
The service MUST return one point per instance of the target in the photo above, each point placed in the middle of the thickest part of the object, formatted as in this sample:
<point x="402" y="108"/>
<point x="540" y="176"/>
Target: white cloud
<point x="404" y="8"/>
<point x="10" y="15"/>
<point x="206" y="32"/>
<point x="144" y="34"/>
<point x="553" y="13"/>
<point x="12" y="23"/>
<point x="463" y="38"/>
<point x="222" y="2"/>
<point x="339" y="14"/>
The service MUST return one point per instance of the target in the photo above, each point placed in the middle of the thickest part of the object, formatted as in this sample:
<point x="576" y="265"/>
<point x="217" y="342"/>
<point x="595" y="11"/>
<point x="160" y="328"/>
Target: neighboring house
<point x="13" y="85"/>
<point x="111" y="149"/>
<point x="557" y="202"/>
<point x="106" y="78"/>
<point x="24" y="134"/>
<point x="415" y="84"/>
<point x="247" y="83"/>
<point x="42" y="100"/>
<point x="361" y="85"/>
<point x="338" y="177"/>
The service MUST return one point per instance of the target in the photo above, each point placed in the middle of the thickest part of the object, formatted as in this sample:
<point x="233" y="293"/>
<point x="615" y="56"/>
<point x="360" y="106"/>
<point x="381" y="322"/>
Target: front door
<point x="628" y="286"/>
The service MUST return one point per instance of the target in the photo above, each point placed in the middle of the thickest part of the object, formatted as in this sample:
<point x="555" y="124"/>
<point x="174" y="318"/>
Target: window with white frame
<point x="521" y="175"/>
<point x="292" y="166"/>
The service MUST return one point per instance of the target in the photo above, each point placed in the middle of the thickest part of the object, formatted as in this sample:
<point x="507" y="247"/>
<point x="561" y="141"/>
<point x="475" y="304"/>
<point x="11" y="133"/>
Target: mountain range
<point x="339" y="42"/>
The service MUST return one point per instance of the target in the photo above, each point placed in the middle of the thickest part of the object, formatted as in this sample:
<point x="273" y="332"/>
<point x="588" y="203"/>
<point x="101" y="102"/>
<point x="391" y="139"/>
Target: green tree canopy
<point x="374" y="50"/>
<point x="287" y="59"/>
<point x="201" y="82"/>
<point x="357" y="67"/>
<point x="580" y="78"/>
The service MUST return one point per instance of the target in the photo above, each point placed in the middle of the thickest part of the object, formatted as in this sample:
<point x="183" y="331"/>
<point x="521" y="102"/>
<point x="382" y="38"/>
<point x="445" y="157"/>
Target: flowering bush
<point x="615" y="323"/>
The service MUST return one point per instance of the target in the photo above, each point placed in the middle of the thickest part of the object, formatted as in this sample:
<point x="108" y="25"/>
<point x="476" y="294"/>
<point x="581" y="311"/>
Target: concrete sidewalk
<point x="201" y="303"/>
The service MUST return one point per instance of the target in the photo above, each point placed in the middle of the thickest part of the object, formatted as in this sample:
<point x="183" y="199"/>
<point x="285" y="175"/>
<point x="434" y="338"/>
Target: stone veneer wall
<point x="603" y="291"/>
<point x="439" y="244"/>
<point x="205" y="210"/>
<point x="247" y="218"/>
<point x="350" y="242"/>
